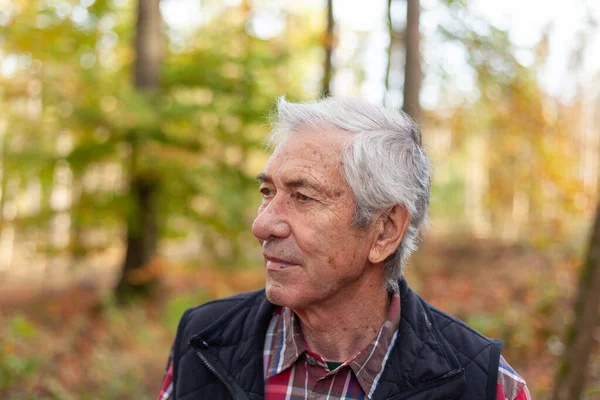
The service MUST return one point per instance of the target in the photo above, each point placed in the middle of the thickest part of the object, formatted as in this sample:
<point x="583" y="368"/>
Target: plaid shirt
<point x="292" y="371"/>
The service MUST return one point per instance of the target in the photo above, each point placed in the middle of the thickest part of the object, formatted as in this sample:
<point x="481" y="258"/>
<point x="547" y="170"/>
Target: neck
<point x="346" y="324"/>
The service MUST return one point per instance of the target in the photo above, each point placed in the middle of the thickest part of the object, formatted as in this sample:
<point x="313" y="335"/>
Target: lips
<point x="276" y="259"/>
<point x="277" y="263"/>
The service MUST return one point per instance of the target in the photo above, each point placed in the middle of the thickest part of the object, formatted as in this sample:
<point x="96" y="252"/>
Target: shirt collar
<point x="286" y="344"/>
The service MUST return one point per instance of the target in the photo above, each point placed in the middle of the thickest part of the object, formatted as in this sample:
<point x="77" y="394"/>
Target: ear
<point x="390" y="230"/>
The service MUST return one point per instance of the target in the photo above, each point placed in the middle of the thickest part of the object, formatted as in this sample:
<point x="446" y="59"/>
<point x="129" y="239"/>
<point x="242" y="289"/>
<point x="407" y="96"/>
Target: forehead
<point x="317" y="154"/>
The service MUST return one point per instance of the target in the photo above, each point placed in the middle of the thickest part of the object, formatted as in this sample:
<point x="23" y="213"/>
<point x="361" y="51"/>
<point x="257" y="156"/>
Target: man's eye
<point x="266" y="191"/>
<point x="302" y="197"/>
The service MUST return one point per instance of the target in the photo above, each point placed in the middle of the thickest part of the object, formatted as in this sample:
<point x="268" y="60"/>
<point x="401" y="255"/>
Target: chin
<point x="281" y="295"/>
<point x="277" y="295"/>
<point x="292" y="292"/>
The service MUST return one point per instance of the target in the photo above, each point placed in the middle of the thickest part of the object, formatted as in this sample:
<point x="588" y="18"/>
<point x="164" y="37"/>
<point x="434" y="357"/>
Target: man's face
<point x="312" y="252"/>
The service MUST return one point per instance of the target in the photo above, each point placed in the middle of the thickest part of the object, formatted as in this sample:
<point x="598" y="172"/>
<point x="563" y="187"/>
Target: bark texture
<point x="328" y="46"/>
<point x="148" y="45"/>
<point x="412" y="71"/>
<point x="390" y="49"/>
<point x="137" y="275"/>
<point x="579" y="341"/>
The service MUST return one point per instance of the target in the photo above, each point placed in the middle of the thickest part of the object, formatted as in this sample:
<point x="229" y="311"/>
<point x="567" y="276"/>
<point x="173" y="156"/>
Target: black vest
<point x="218" y="353"/>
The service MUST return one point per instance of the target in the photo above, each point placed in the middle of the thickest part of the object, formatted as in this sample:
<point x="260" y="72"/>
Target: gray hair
<point x="383" y="164"/>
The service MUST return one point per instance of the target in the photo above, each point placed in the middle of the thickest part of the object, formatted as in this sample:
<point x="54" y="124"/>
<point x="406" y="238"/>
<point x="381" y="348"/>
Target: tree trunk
<point x="4" y="176"/>
<point x="328" y="45"/>
<point x="412" y="71"/>
<point x="579" y="341"/>
<point x="148" y="45"/>
<point x="137" y="276"/>
<point x="390" y="49"/>
<point x="78" y="250"/>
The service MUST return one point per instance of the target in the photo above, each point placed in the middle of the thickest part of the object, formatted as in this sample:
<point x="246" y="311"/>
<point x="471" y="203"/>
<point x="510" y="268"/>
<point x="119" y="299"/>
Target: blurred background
<point x="130" y="135"/>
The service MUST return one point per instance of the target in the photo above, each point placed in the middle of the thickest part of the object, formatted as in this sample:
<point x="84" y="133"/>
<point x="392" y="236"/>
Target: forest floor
<point x="74" y="342"/>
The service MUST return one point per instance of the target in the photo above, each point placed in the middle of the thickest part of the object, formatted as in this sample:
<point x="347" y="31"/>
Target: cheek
<point x="327" y="235"/>
<point x="336" y="246"/>
<point x="345" y="251"/>
<point x="343" y="246"/>
<point x="333" y="261"/>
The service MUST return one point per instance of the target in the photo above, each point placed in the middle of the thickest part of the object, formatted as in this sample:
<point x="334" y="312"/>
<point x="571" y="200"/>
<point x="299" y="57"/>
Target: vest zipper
<point x="441" y="381"/>
<point x="217" y="369"/>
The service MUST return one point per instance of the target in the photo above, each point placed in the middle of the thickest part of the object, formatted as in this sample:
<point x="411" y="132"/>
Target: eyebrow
<point x="301" y="182"/>
<point x="264" y="178"/>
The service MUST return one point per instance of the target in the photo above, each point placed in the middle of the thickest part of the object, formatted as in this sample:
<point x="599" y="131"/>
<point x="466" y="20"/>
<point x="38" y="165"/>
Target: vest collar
<point x="422" y="364"/>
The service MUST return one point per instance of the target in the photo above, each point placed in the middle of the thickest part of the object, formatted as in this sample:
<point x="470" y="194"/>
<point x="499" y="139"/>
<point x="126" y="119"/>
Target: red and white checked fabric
<point x="166" y="388"/>
<point x="510" y="385"/>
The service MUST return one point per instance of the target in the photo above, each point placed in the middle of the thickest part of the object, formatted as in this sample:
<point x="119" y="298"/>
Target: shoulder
<point x="478" y="355"/>
<point x="461" y="340"/>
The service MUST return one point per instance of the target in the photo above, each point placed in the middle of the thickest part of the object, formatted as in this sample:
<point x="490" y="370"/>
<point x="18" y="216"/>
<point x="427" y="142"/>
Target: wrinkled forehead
<point x="319" y="145"/>
<point x="309" y="155"/>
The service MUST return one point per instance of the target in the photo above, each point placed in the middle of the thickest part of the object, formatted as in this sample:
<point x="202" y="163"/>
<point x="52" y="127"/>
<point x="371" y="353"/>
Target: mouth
<point x="274" y="263"/>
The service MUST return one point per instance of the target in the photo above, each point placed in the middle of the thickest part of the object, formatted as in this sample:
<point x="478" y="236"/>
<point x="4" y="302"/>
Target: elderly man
<point x="344" y="196"/>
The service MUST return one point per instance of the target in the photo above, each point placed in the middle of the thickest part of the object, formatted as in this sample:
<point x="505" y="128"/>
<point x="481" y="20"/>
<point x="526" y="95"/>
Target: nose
<point x="271" y="222"/>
